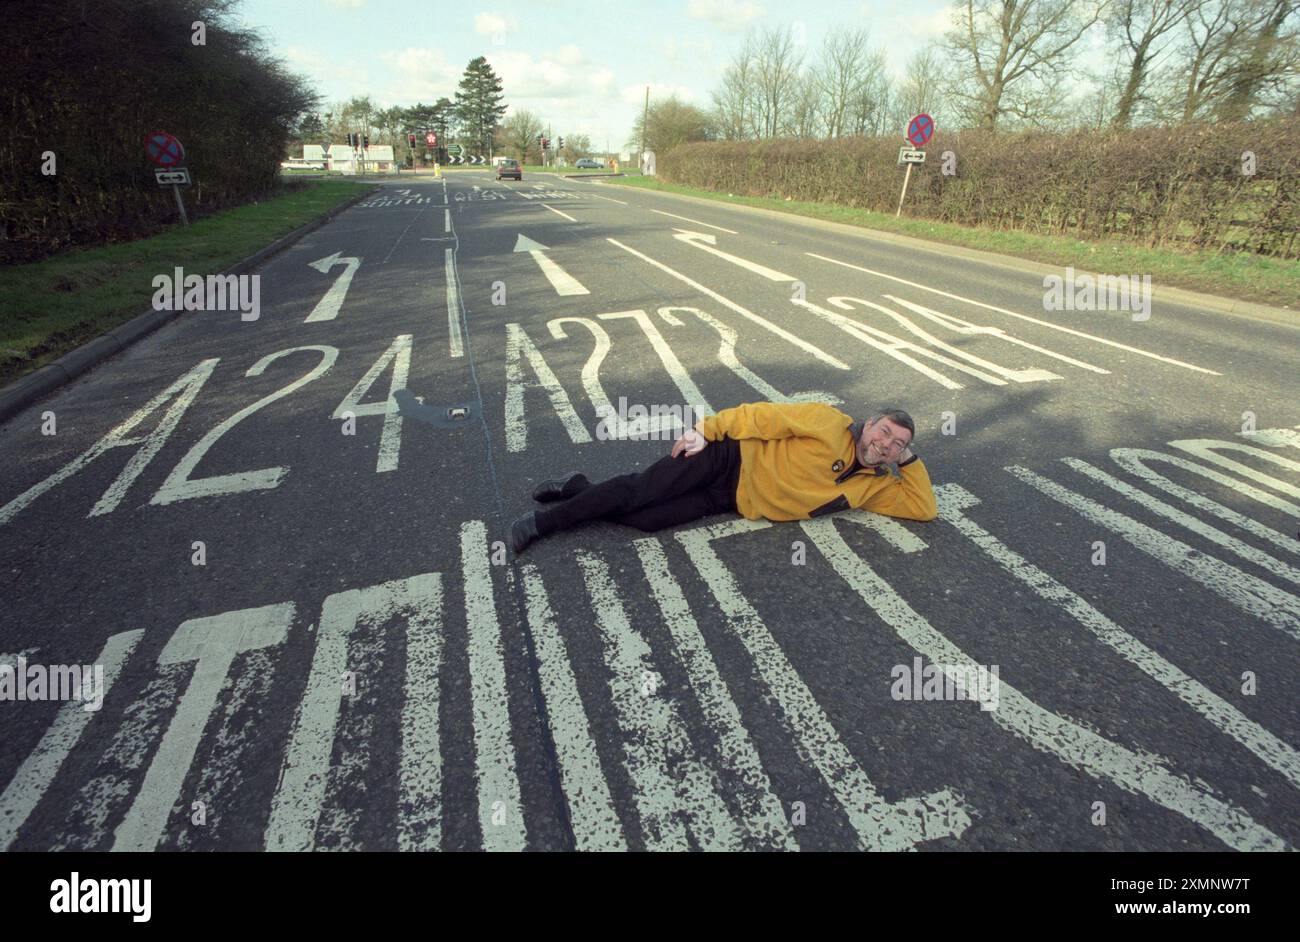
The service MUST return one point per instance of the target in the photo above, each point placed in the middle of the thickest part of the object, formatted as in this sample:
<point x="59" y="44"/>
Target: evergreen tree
<point x="478" y="107"/>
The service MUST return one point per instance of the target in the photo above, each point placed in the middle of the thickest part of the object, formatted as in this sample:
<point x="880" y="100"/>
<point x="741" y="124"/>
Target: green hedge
<point x="1165" y="186"/>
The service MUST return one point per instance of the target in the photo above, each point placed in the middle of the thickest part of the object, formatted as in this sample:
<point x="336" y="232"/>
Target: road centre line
<point x="744" y="312"/>
<point x="558" y="213"/>
<point x="1023" y="317"/>
<point x="457" y="344"/>
<point x="696" y="222"/>
<point x="607" y="199"/>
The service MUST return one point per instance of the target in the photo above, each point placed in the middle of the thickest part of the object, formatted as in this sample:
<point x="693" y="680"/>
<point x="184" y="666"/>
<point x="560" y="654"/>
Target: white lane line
<point x="34" y="776"/>
<point x="1213" y="534"/>
<point x="762" y="813"/>
<point x="744" y="312"/>
<point x="500" y="808"/>
<point x="1023" y="317"/>
<point x="1204" y="448"/>
<point x="654" y="735"/>
<point x="595" y="823"/>
<point x="607" y="199"/>
<point x="564" y="284"/>
<point x="446" y="220"/>
<point x="691" y="394"/>
<point x="1074" y="745"/>
<point x="213" y="643"/>
<point x="558" y="213"/>
<point x="880" y="824"/>
<point x="706" y="242"/>
<point x="519" y="345"/>
<point x="954" y="500"/>
<point x="419" y="804"/>
<point x="696" y="222"/>
<point x="1133" y="460"/>
<point x="456" y="343"/>
<point x="1274" y="606"/>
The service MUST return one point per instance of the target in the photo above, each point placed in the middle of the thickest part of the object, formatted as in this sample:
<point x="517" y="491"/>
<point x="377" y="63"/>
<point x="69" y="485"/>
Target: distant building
<point x="378" y="157"/>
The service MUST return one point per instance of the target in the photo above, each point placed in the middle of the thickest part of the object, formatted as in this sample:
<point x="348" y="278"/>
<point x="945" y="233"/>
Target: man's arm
<point x="909" y="496"/>
<point x="770" y="420"/>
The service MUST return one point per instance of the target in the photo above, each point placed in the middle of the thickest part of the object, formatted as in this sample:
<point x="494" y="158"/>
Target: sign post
<point x="919" y="131"/>
<point x="167" y="154"/>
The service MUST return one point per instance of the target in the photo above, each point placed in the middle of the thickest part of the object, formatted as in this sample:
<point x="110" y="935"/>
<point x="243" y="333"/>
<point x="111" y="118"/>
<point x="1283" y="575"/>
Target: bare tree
<point x="776" y="66"/>
<point x="840" y="75"/>
<point x="519" y="135"/>
<point x="735" y="104"/>
<point x="806" y="113"/>
<point x="670" y="122"/>
<point x="921" y="88"/>
<point x="1200" y="76"/>
<point x="1013" y="53"/>
<point x="1270" y="58"/>
<point x="871" y="107"/>
<point x="1138" y="25"/>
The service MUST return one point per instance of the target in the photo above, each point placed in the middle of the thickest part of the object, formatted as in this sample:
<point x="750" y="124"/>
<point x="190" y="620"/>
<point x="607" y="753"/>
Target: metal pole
<point x="180" y="203"/>
<point x="645" y="119"/>
<point x="906" y="177"/>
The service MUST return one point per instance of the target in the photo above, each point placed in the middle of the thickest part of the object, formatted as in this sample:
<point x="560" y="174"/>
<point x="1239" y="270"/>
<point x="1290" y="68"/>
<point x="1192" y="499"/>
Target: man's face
<point x="882" y="442"/>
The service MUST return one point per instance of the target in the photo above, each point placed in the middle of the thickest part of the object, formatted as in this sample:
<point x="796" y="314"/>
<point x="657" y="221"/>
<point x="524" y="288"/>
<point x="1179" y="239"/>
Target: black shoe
<point x="549" y="491"/>
<point x="523" y="531"/>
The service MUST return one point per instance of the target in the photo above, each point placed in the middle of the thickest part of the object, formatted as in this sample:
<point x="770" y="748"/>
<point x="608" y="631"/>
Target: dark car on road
<point x="510" y="168"/>
<point x="586" y="163"/>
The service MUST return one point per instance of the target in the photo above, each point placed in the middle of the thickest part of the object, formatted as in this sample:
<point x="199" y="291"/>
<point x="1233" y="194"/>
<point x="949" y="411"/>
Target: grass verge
<point x="50" y="307"/>
<point x="1240" y="276"/>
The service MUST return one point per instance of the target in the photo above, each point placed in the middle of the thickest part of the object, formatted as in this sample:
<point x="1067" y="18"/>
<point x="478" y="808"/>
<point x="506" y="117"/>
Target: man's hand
<point x="903" y="455"/>
<point x="691" y="443"/>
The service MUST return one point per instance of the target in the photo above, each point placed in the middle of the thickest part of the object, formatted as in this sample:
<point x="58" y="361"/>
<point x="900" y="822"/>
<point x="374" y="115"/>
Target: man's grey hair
<point x="898" y="417"/>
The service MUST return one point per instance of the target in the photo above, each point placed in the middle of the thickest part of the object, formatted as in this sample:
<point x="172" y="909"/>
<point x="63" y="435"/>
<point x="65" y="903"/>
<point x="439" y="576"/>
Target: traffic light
<point x="434" y="141"/>
<point x="546" y="143"/>
<point x="540" y="138"/>
<point x="366" y="142"/>
<point x="410" y="139"/>
<point x="351" y="139"/>
<point x="561" y="147"/>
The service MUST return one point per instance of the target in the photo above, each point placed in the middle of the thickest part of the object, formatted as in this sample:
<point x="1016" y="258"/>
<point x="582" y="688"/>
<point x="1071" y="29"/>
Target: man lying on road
<point x="781" y="461"/>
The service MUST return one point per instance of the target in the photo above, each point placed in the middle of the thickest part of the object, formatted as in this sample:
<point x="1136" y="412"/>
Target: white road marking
<point x="446" y="220"/>
<point x="607" y="199"/>
<point x="1213" y="534"/>
<point x="564" y="284"/>
<point x="558" y="213"/>
<point x="390" y="440"/>
<point x="494" y="753"/>
<point x="1023" y="317"/>
<point x="695" y="222"/>
<point x="654" y="735"/>
<point x="455" y="342"/>
<point x="327" y="308"/>
<point x="966" y="327"/>
<point x="728" y="358"/>
<point x="1074" y="745"/>
<point x="691" y="394"/>
<point x="212" y="643"/>
<point x="954" y="501"/>
<point x="1277" y="437"/>
<point x="38" y="770"/>
<point x="761" y="812"/>
<point x="179" y="485"/>
<point x="595" y="823"/>
<point x="1134" y="461"/>
<point x="1204" y="448"/>
<point x="419" y="802"/>
<point x="1252" y="595"/>
<point x="519" y="345"/>
<point x="706" y="243"/>
<point x="880" y="824"/>
<point x="744" y="312"/>
<point x="185" y="389"/>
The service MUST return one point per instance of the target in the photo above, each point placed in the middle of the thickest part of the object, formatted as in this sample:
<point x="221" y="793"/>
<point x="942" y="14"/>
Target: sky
<point x="581" y="66"/>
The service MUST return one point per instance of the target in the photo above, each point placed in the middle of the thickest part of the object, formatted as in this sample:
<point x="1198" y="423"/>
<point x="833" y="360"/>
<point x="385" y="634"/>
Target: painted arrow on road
<point x="328" y="307"/>
<point x="561" y="280"/>
<point x="702" y="240"/>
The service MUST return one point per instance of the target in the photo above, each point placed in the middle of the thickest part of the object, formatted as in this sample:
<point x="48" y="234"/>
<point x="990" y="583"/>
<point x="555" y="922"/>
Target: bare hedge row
<point x="88" y="80"/>
<point x="1181" y="186"/>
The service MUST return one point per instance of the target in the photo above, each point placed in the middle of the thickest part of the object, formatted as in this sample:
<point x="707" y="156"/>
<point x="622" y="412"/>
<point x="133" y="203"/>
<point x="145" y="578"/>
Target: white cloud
<point x="565" y="73"/>
<point x="686" y="50"/>
<point x="728" y="15"/>
<point x="347" y="4"/>
<point x="495" y="24"/>
<point x="418" y="74"/>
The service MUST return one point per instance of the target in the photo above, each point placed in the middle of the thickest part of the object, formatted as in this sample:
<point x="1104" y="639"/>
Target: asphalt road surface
<point x="283" y="542"/>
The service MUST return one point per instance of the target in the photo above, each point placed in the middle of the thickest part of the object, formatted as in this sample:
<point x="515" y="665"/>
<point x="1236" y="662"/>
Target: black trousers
<point x="669" y="492"/>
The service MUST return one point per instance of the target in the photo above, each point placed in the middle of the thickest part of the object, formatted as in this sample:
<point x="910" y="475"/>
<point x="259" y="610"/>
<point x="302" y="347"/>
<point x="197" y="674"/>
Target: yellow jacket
<point x="799" y="460"/>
